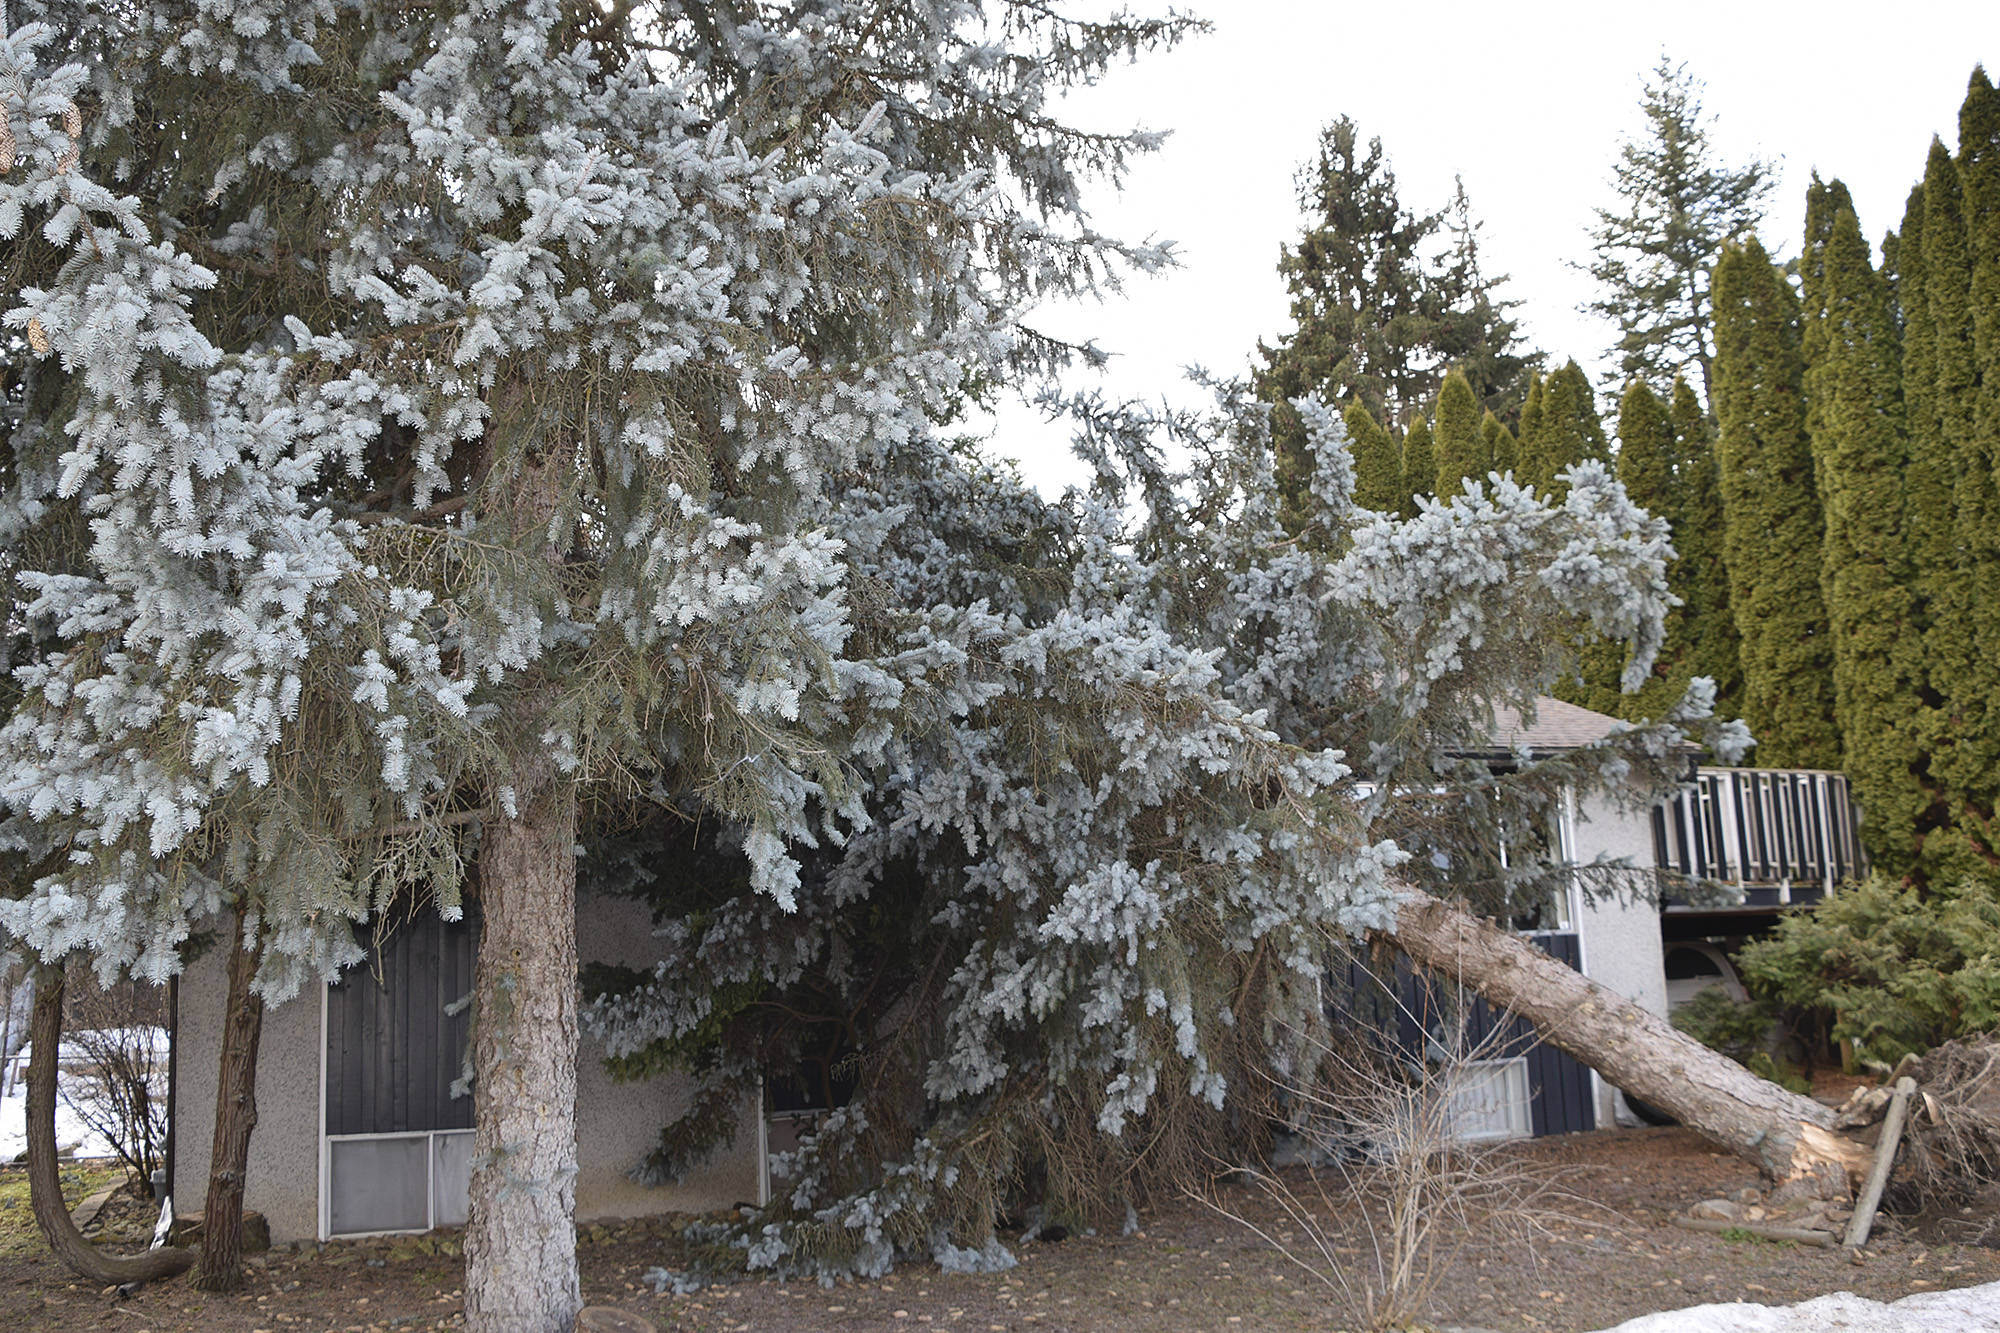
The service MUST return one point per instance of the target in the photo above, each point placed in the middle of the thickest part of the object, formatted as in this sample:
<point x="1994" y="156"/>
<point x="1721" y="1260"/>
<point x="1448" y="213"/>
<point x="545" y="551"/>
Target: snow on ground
<point x="1967" y="1310"/>
<point x="71" y="1132"/>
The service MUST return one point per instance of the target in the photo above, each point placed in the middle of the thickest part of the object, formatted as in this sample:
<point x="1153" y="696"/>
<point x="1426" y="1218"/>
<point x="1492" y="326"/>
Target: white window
<point x="397" y="1182"/>
<point x="1489" y="1100"/>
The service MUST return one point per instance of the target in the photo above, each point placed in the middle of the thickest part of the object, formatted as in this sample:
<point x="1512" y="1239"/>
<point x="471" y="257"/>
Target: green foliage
<point x="1773" y="532"/>
<point x="1854" y="413"/>
<point x="1646" y="468"/>
<point x="1567" y="430"/>
<point x="1655" y="253"/>
<point x="1901" y="969"/>
<point x="1499" y="443"/>
<point x="1377" y="310"/>
<point x="1378" y="461"/>
<point x="1714" y="648"/>
<point x="1419" y="465"/>
<point x="1719" y="1021"/>
<point x="1462" y="450"/>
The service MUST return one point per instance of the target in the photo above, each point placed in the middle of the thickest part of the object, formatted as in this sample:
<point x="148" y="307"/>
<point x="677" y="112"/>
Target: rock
<point x="186" y="1231"/>
<point x="1717" y="1210"/>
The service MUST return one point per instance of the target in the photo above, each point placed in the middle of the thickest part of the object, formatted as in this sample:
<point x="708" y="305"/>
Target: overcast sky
<point x="1527" y="102"/>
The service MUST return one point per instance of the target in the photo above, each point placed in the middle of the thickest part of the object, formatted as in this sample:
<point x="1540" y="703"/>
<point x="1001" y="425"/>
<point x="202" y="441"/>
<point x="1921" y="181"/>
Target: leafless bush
<point x="115" y="1069"/>
<point x="1396" y="1190"/>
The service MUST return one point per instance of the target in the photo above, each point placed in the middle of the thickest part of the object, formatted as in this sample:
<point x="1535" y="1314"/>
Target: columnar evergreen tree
<point x="1659" y="476"/>
<point x="1463" y="450"/>
<point x="1499" y="443"/>
<point x="1534" y="410"/>
<point x="1773" y="532"/>
<point x="1853" y="383"/>
<point x="1419" y="465"/>
<point x="1377" y="462"/>
<point x="1655" y="253"/>
<point x="1700" y="540"/>
<point x="1566" y="429"/>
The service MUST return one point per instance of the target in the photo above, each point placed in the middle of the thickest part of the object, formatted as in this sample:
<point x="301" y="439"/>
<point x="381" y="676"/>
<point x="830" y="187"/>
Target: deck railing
<point x="1780" y="835"/>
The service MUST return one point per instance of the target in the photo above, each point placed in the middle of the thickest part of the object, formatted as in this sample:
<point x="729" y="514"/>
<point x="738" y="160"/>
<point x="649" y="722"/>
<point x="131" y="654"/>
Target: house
<point x="1611" y="937"/>
<point x="1775" y="838"/>
<point x="358" y="1128"/>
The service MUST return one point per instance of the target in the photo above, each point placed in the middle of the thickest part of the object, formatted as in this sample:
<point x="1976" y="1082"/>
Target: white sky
<point x="1527" y="103"/>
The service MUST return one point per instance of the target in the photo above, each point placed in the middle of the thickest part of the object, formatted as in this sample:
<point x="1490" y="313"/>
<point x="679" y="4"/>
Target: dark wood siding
<point x="1558" y="1086"/>
<point x="392" y="1053"/>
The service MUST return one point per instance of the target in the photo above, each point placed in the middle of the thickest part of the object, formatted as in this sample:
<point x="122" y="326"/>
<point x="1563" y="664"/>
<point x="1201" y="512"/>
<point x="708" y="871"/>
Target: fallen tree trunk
<point x="1788" y="1137"/>
<point x="44" y="1179"/>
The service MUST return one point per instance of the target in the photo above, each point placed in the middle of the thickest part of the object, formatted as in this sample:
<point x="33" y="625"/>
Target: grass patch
<point x="19" y="1237"/>
<point x="1744" y="1236"/>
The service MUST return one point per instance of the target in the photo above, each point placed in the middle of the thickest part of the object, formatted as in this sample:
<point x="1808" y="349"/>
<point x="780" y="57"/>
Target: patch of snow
<point x="72" y="1134"/>
<point x="1966" y="1310"/>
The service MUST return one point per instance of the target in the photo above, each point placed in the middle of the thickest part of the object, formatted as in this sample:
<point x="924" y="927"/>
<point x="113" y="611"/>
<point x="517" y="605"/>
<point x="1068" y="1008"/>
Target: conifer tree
<point x="461" y="433"/>
<point x="1655" y="253"/>
<point x="1534" y="408"/>
<point x="1773" y="531"/>
<point x="1567" y="429"/>
<point x="1378" y="462"/>
<point x="1853" y="383"/>
<point x="1499" y="444"/>
<point x="1699" y="536"/>
<point x="1649" y="467"/>
<point x="1420" y="468"/>
<point x="1377" y="313"/>
<point x="1462" y="447"/>
<point x="1962" y="254"/>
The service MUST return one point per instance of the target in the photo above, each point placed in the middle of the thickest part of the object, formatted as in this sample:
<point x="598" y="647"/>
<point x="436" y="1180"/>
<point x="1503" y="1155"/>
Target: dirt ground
<point x="1189" y="1268"/>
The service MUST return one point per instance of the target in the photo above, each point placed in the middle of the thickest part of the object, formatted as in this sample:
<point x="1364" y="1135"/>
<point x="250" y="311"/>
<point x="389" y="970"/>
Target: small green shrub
<point x="1899" y="969"/>
<point x="1720" y="1022"/>
<point x="1740" y="1030"/>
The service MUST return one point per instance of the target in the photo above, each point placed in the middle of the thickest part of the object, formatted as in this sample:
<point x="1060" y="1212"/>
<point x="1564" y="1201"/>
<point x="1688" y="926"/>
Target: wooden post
<point x="1885" y="1157"/>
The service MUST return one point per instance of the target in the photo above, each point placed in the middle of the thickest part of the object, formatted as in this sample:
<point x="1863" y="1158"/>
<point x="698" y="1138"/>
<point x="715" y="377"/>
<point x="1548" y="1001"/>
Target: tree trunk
<point x="520" y="1244"/>
<point x="45" y="1183"/>
<point x="1787" y="1136"/>
<point x="235" y="1116"/>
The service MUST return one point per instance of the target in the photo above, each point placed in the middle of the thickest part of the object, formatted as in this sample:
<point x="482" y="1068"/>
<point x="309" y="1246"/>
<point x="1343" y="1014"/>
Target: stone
<point x="186" y="1231"/>
<point x="1717" y="1210"/>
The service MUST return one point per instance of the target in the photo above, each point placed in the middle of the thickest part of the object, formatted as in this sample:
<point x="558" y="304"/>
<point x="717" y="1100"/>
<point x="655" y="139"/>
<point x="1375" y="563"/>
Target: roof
<point x="1557" y="726"/>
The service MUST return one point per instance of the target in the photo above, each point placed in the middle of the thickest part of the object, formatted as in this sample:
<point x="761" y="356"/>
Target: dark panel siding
<point x="1407" y="1007"/>
<point x="392" y="1053"/>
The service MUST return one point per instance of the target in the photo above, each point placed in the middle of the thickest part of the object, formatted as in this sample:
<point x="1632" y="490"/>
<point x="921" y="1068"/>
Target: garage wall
<point x="616" y="1122"/>
<point x="1621" y="933"/>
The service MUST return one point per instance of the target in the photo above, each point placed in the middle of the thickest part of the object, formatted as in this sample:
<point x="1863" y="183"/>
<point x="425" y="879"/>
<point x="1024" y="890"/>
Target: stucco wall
<point x="1621" y="933"/>
<point x="283" y="1178"/>
<point x="616" y="1122"/>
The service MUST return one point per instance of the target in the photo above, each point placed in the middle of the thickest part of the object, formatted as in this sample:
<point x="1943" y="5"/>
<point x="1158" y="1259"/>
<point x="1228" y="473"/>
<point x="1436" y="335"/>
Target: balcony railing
<point x="1780" y="835"/>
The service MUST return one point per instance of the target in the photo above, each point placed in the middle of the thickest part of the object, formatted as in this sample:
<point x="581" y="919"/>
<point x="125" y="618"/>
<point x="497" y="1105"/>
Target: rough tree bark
<point x="235" y="1116"/>
<point x="1787" y="1136"/>
<point x="44" y="1182"/>
<point x="520" y="1243"/>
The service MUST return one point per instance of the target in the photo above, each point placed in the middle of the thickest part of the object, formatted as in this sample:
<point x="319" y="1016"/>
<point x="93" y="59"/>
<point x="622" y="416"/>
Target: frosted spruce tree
<point x="434" y="416"/>
<point x="1057" y="970"/>
<point x="450" y="435"/>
